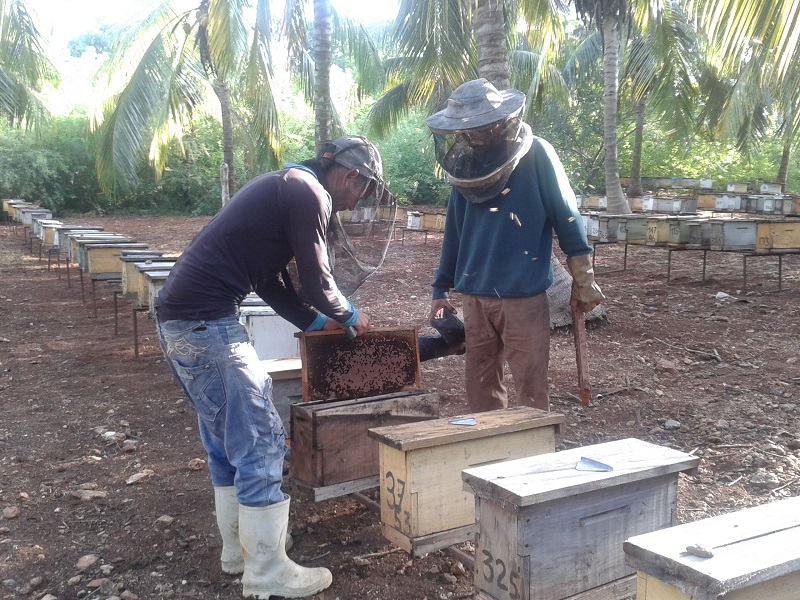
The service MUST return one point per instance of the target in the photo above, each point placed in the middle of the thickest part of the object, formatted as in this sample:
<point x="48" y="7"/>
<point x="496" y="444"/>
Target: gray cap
<point x="356" y="152"/>
<point x="474" y="104"/>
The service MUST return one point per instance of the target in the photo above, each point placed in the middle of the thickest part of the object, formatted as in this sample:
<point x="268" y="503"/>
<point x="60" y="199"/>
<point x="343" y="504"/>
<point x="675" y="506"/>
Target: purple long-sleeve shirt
<point x="246" y="246"/>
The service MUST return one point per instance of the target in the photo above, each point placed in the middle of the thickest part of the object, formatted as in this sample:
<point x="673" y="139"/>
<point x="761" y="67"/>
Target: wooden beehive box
<point x="133" y="283"/>
<point x="756" y="556"/>
<point x="763" y="236"/>
<point x="738" y="187"/>
<point x="785" y="234"/>
<point x="383" y="360"/>
<point x="104" y="258"/>
<point x="78" y="239"/>
<point x="129" y="274"/>
<point x="331" y="451"/>
<point x="423" y="504"/>
<point x="636" y="229"/>
<point x="679" y="231"/>
<point x="733" y="234"/>
<point x="432" y="222"/>
<point x="155" y="281"/>
<point x="609" y="226"/>
<point x="699" y="234"/>
<point x="547" y="529"/>
<point x="791" y="206"/>
<point x="657" y="231"/>
<point x="706" y="202"/>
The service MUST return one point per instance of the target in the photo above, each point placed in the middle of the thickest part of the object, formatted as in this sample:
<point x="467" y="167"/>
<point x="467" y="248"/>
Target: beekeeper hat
<point x="475" y="104"/>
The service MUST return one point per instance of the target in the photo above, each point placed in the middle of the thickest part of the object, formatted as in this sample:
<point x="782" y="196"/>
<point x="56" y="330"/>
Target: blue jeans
<point x="241" y="431"/>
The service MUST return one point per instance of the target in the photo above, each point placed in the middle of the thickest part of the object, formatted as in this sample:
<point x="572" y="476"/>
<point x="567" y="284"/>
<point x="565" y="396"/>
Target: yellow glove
<point x="585" y="291"/>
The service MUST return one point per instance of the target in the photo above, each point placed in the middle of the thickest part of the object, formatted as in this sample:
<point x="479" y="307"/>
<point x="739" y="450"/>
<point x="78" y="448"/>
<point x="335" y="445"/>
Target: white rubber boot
<point x="267" y="569"/>
<point x="227" y="508"/>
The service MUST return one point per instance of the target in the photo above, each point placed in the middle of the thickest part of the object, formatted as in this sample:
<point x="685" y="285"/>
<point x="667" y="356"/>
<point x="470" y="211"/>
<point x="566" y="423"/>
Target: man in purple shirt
<point x="245" y="248"/>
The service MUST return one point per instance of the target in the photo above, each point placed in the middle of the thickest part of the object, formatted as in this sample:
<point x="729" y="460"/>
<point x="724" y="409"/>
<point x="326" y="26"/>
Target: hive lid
<point x="749" y="546"/>
<point x="537" y="479"/>
<point x="426" y="434"/>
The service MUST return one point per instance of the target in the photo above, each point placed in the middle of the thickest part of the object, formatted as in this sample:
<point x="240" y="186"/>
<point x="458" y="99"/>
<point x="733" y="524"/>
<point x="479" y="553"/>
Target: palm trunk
<point x="617" y="204"/>
<point x="224" y="96"/>
<point x="323" y="27"/>
<point x="489" y="30"/>
<point x="635" y="185"/>
<point x="783" y="170"/>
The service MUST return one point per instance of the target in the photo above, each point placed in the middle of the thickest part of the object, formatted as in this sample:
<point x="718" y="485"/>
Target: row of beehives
<point x="402" y="216"/>
<point x="767" y="204"/>
<point x="761" y="235"/>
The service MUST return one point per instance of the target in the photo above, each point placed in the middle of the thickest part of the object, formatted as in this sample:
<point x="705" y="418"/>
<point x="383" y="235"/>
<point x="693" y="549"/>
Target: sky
<point x="62" y="20"/>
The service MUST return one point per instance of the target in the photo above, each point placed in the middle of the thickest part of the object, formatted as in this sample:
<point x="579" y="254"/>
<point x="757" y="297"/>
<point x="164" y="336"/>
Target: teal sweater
<point x="502" y="247"/>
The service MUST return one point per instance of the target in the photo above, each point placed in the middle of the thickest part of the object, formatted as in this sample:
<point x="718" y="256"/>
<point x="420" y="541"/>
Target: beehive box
<point x="636" y="229"/>
<point x="678" y="232"/>
<point x="738" y="188"/>
<point x="591" y="202"/>
<point x="331" y="451"/>
<point x="726" y="203"/>
<point x="785" y="234"/>
<point x="609" y="226"/>
<point x="383" y="360"/>
<point x="423" y="505"/>
<point x="155" y="281"/>
<point x="104" y="258"/>
<point x="271" y="335"/>
<point x="657" y="231"/>
<point x="62" y="239"/>
<point x="706" y="202"/>
<point x="138" y="287"/>
<point x="129" y="276"/>
<point x="756" y="556"/>
<point x="622" y="228"/>
<point x="432" y="222"/>
<point x="733" y="234"/>
<point x="699" y="234"/>
<point x="74" y="251"/>
<point x="287" y="386"/>
<point x="547" y="529"/>
<point x="771" y="188"/>
<point x="413" y="220"/>
<point x="791" y="206"/>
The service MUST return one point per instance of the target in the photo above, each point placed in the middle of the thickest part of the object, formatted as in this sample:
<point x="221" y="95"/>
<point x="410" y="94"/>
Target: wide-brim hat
<point x="474" y="104"/>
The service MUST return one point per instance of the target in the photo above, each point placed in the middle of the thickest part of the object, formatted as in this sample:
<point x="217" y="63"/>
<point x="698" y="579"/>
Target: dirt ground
<point x="103" y="496"/>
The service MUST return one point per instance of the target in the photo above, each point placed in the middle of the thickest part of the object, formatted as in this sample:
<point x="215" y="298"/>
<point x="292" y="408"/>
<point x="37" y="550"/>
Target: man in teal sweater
<point x="510" y="193"/>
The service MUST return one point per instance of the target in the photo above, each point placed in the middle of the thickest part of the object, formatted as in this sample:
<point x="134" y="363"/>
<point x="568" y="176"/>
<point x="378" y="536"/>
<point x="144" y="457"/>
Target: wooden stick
<point x="581" y="355"/>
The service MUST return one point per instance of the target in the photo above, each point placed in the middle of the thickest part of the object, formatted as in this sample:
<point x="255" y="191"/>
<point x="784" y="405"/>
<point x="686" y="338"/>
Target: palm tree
<point x="24" y="66"/>
<point x="167" y="68"/>
<point x="609" y="16"/>
<point x="754" y="78"/>
<point x="660" y="67"/>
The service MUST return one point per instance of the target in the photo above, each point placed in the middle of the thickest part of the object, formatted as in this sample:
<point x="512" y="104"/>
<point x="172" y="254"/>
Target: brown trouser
<point x="513" y="330"/>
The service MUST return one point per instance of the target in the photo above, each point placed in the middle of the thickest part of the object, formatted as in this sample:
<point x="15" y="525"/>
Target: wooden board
<point x="330" y="444"/>
<point x="382" y="361"/>
<point x="756" y="552"/>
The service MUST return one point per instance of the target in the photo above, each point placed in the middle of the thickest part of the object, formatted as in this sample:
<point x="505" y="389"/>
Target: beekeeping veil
<point x="358" y="241"/>
<point x="480" y="138"/>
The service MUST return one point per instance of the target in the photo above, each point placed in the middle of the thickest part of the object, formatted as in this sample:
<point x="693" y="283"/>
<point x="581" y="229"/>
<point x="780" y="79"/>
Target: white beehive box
<point x="271" y="335"/>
